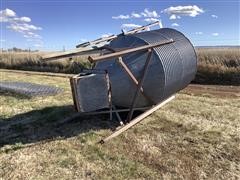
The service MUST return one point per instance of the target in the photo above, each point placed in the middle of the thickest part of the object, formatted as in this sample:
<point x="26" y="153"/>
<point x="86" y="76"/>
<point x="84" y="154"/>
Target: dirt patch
<point x="215" y="90"/>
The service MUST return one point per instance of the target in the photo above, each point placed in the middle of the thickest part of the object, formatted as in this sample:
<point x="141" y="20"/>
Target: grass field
<point x="218" y="66"/>
<point x="32" y="62"/>
<point x="215" y="66"/>
<point x="196" y="136"/>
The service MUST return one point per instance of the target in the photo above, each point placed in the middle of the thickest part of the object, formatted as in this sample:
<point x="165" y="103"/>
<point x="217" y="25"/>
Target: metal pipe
<point x="130" y="50"/>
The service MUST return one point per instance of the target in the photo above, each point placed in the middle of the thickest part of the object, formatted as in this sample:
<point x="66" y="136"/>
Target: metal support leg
<point x="118" y="116"/>
<point x="128" y="71"/>
<point x="129" y="117"/>
<point x="137" y="120"/>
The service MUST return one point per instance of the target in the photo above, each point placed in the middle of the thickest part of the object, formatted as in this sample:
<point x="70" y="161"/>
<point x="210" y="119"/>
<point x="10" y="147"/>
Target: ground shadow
<point x="47" y="124"/>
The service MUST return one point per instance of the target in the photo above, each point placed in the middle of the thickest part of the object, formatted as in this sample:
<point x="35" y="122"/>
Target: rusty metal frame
<point x="117" y="54"/>
<point x="94" y="46"/>
<point x="129" y="122"/>
<point x="139" y="87"/>
<point x="73" y="82"/>
<point x="136" y="120"/>
<point x="130" y="74"/>
<point x="110" y="38"/>
<point x="132" y="77"/>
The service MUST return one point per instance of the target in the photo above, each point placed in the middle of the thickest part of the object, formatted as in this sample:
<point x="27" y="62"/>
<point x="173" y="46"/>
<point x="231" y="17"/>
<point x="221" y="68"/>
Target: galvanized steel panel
<point x="172" y="66"/>
<point x="91" y="92"/>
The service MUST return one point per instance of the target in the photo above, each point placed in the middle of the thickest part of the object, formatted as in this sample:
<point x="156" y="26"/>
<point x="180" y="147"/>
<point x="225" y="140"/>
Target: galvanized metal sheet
<point x="172" y="67"/>
<point x="91" y="92"/>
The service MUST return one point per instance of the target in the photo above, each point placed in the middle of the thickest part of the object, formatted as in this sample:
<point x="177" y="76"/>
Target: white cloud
<point x="26" y="36"/>
<point x="173" y="16"/>
<point x="146" y="14"/>
<point x="2" y="40"/>
<point x="3" y="19"/>
<point x="150" y="14"/>
<point x="175" y="24"/>
<point x="191" y="11"/>
<point x="214" y="16"/>
<point x="31" y="35"/>
<point x="150" y="20"/>
<point x="121" y="17"/>
<point x="32" y="27"/>
<point x="215" y="34"/>
<point x="136" y="15"/>
<point x="199" y="33"/>
<point x="6" y="15"/>
<point x="9" y="15"/>
<point x="23" y="27"/>
<point x="106" y="35"/>
<point x="23" y="19"/>
<point x="130" y="26"/>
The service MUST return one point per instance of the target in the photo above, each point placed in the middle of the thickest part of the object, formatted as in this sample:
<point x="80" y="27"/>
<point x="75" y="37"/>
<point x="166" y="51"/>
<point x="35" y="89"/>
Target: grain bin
<point x="156" y="63"/>
<point x="172" y="67"/>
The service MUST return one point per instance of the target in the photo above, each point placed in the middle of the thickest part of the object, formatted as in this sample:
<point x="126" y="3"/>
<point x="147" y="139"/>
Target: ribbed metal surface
<point x="172" y="66"/>
<point x="92" y="92"/>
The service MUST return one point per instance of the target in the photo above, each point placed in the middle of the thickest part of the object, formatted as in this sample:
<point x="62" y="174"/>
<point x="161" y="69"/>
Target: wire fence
<point x="29" y="89"/>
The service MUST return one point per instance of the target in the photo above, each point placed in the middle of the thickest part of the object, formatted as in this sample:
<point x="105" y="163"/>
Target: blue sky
<point x="50" y="25"/>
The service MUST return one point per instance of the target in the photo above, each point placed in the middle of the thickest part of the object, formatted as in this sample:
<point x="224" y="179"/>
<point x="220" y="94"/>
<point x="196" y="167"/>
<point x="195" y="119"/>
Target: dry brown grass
<point x="196" y="136"/>
<point x="215" y="66"/>
<point x="33" y="62"/>
<point x="220" y="65"/>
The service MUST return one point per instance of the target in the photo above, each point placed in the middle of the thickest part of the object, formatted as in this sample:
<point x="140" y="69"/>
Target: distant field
<point x="33" y="62"/>
<point x="195" y="136"/>
<point x="215" y="66"/>
<point x="218" y="66"/>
